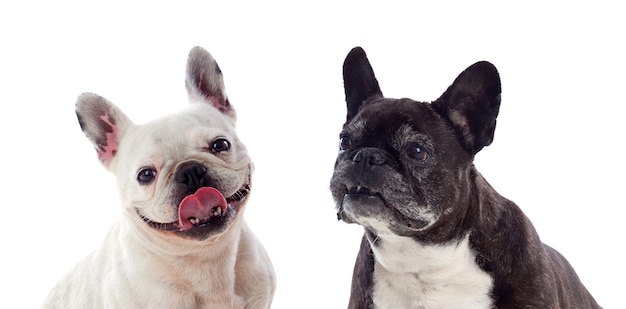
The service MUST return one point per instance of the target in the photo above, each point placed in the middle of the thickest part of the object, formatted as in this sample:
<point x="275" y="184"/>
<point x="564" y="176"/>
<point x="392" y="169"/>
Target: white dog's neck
<point x="206" y="273"/>
<point x="412" y="275"/>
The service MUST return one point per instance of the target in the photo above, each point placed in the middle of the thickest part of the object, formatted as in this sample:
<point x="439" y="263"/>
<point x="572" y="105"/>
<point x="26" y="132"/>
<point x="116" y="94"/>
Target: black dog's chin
<point x="355" y="205"/>
<point x="363" y="201"/>
<point x="357" y="201"/>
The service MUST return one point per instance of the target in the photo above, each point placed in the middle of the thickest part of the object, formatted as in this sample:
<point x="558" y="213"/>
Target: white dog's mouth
<point x="203" y="212"/>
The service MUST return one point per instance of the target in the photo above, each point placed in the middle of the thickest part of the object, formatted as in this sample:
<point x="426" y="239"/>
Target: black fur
<point x="376" y="176"/>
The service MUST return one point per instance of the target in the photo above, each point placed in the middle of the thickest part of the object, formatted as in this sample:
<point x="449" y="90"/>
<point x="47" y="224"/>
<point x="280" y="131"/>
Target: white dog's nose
<point x="192" y="175"/>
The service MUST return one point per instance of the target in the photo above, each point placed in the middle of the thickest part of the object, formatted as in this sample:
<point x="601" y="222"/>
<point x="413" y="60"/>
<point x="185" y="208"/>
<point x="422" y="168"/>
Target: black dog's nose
<point x="192" y="175"/>
<point x="369" y="156"/>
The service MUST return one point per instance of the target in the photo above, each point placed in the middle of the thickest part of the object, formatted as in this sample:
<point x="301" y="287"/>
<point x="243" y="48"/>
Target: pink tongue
<point x="198" y="207"/>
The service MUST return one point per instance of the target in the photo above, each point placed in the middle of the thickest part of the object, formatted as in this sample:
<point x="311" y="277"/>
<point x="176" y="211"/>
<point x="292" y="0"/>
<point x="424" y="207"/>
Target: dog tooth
<point x="193" y="220"/>
<point x="216" y="211"/>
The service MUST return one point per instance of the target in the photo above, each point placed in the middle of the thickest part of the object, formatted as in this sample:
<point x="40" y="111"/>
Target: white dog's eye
<point x="220" y="145"/>
<point x="146" y="175"/>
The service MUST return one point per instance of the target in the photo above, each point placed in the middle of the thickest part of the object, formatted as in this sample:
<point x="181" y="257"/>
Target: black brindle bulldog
<point x="437" y="235"/>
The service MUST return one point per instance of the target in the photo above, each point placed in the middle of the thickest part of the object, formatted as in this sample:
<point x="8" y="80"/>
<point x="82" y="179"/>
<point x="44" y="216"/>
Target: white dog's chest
<point x="410" y="275"/>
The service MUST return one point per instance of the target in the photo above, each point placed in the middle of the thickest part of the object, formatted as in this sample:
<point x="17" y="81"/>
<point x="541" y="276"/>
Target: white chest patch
<point x="411" y="275"/>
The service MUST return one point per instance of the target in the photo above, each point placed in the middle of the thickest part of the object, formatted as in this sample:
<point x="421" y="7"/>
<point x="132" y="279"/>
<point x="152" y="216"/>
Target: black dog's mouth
<point x="360" y="191"/>
<point x="216" y="216"/>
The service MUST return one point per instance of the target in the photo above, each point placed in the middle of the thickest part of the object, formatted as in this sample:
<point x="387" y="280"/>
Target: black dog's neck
<point x="501" y="237"/>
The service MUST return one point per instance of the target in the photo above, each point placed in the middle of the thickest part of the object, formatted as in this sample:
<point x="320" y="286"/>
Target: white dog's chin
<point x="215" y="222"/>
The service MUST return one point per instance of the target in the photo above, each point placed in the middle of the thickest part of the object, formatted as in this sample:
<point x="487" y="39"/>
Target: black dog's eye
<point x="220" y="145"/>
<point x="417" y="153"/>
<point x="344" y="143"/>
<point x="146" y="175"/>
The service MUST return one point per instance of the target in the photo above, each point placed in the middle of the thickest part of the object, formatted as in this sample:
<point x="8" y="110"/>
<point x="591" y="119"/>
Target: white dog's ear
<point x="204" y="81"/>
<point x="103" y="123"/>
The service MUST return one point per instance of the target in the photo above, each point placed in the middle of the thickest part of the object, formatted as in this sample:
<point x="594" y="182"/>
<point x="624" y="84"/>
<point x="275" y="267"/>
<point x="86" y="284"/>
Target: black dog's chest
<point x="410" y="275"/>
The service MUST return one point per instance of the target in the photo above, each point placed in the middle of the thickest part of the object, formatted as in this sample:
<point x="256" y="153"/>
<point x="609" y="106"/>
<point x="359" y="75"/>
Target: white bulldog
<point x="184" y="180"/>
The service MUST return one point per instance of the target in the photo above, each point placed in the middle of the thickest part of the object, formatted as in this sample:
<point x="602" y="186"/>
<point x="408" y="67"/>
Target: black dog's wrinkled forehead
<point x="399" y="119"/>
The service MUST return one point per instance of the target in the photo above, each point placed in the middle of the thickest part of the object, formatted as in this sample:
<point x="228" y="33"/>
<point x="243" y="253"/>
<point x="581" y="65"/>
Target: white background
<point x="558" y="150"/>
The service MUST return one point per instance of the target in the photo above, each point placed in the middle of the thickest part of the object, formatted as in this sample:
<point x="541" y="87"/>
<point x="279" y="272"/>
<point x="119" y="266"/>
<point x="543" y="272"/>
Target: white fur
<point x="139" y="266"/>
<point x="411" y="275"/>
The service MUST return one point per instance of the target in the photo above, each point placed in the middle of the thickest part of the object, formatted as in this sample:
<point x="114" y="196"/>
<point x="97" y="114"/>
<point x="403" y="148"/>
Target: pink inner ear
<point x="107" y="151"/>
<point x="222" y="105"/>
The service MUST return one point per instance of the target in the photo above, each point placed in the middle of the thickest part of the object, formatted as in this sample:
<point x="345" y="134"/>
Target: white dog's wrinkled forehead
<point x="198" y="123"/>
<point x="177" y="136"/>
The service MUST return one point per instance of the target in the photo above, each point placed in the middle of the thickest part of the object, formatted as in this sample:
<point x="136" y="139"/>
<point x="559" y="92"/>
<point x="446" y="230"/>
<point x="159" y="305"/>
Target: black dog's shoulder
<point x="526" y="272"/>
<point x="362" y="278"/>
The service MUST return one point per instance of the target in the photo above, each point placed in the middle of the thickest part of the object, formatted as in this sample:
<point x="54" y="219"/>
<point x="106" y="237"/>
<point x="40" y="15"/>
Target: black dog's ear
<point x="359" y="81"/>
<point x="471" y="104"/>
